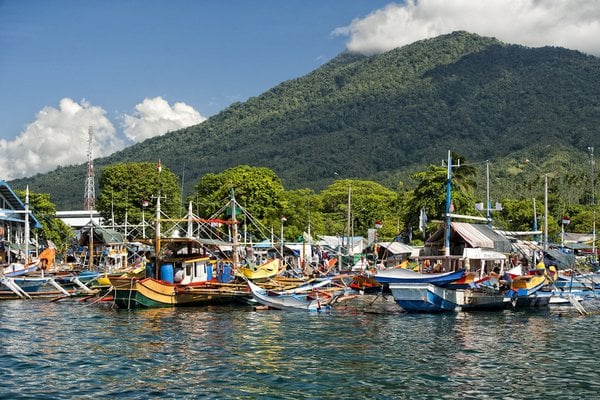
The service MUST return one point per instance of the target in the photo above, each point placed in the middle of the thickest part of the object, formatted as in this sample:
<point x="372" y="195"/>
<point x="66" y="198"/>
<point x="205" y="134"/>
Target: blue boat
<point x="430" y="298"/>
<point x="403" y="275"/>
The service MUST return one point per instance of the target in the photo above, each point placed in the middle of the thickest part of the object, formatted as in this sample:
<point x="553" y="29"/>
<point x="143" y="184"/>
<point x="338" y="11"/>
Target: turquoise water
<point x="79" y="351"/>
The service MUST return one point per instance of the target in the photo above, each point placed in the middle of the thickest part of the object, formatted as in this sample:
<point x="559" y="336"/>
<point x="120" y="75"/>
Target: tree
<point x="431" y="191"/>
<point x="370" y="202"/>
<point x="303" y="210"/>
<point x="53" y="229"/>
<point x="259" y="190"/>
<point x="131" y="188"/>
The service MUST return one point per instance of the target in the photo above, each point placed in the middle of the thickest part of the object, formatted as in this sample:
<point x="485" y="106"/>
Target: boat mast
<point x="448" y="204"/>
<point x="545" y="212"/>
<point x="487" y="179"/>
<point x="27" y="229"/>
<point x="157" y="238"/>
<point x="190" y="228"/>
<point x="234" y="230"/>
<point x="349" y="217"/>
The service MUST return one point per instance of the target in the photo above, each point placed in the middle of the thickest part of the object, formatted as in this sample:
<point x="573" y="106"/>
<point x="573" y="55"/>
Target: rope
<point x="130" y="291"/>
<point x="101" y="297"/>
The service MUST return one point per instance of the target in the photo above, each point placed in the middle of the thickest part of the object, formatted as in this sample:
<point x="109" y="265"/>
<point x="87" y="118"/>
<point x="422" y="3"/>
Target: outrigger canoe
<point x="312" y="300"/>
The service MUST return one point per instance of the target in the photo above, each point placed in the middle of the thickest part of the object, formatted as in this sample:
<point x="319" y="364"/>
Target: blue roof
<point x="16" y="204"/>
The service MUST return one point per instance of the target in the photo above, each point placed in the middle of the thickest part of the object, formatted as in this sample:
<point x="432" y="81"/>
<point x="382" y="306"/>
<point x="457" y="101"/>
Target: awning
<point x="478" y="235"/>
<point x="472" y="235"/>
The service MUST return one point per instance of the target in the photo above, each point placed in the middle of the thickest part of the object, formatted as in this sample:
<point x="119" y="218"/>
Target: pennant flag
<point x="422" y="220"/>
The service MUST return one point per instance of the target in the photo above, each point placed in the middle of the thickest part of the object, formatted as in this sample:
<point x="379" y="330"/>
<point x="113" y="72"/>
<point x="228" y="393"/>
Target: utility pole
<point x="591" y="149"/>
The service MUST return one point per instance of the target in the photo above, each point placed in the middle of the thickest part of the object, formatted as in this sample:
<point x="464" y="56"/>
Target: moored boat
<point x="265" y="270"/>
<point x="428" y="297"/>
<point x="186" y="282"/>
<point x="310" y="299"/>
<point x="403" y="275"/>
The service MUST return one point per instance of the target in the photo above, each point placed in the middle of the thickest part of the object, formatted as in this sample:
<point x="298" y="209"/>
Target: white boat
<point x="428" y="297"/>
<point x="312" y="301"/>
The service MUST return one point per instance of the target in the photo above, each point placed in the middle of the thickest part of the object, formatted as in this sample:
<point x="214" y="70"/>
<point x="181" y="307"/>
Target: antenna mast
<point x="89" y="198"/>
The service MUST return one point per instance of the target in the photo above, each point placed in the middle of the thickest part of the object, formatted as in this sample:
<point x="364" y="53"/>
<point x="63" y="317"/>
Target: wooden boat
<point x="182" y="275"/>
<point x="187" y="282"/>
<point x="366" y="284"/>
<point x="312" y="300"/>
<point x="525" y="285"/>
<point x="44" y="261"/>
<point x="266" y="270"/>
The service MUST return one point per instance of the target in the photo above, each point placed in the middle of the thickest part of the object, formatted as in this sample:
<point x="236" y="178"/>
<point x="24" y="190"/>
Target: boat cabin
<point x="476" y="248"/>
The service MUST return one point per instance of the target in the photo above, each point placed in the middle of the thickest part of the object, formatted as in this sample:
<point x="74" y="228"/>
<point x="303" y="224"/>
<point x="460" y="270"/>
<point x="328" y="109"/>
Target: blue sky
<point x="207" y="54"/>
<point x="134" y="69"/>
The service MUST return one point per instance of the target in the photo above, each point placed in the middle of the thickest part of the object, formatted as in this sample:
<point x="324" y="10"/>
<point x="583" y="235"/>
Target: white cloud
<point x="574" y="24"/>
<point x="58" y="137"/>
<point x="154" y="117"/>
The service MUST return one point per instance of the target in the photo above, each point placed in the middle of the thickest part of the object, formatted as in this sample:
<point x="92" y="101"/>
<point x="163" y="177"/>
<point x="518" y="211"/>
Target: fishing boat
<point x="182" y="274"/>
<point x="428" y="298"/>
<point x="192" y="279"/>
<point x="309" y="298"/>
<point x="460" y="282"/>
<point x="18" y="269"/>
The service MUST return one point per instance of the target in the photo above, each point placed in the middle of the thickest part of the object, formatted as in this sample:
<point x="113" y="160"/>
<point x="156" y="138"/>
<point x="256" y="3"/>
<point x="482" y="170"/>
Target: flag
<point x="158" y="166"/>
<point x="423" y="221"/>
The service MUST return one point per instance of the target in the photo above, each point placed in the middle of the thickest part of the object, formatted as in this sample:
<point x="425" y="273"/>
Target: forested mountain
<point x="384" y="116"/>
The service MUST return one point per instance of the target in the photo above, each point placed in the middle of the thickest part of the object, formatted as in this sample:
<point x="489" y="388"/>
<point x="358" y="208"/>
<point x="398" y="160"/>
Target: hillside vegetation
<point x="385" y="116"/>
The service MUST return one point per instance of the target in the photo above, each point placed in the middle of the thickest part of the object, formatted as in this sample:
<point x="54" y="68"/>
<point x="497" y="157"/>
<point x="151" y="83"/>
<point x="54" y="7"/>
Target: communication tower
<point x="89" y="198"/>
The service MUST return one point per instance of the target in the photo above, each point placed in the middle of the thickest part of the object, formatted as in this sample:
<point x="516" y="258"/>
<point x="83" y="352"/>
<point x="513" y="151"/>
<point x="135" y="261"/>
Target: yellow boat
<point x="525" y="285"/>
<point x="104" y="280"/>
<point x="263" y="271"/>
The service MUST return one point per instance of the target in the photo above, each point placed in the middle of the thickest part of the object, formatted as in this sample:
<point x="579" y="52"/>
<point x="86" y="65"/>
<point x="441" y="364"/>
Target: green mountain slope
<point x="383" y="116"/>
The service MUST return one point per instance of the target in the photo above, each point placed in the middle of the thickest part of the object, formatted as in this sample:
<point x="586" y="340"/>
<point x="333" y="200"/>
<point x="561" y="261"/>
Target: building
<point x="14" y="227"/>
<point x="80" y="218"/>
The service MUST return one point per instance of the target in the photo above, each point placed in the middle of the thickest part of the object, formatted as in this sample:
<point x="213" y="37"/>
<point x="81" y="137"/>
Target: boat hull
<point x="429" y="298"/>
<point x="263" y="271"/>
<point x="290" y="301"/>
<point x="425" y="297"/>
<point x="402" y="275"/>
<point x="152" y="293"/>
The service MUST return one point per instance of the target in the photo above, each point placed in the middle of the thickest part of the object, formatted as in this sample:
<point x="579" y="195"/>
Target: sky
<point x="135" y="69"/>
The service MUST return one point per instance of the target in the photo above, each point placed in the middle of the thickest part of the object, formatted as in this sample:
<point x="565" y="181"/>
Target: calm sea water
<point x="79" y="351"/>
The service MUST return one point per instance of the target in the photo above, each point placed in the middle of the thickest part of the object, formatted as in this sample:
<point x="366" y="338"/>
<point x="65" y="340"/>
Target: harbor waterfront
<point x="73" y="350"/>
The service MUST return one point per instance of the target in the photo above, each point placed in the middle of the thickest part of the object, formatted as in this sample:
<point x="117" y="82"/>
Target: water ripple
<point x="71" y="351"/>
